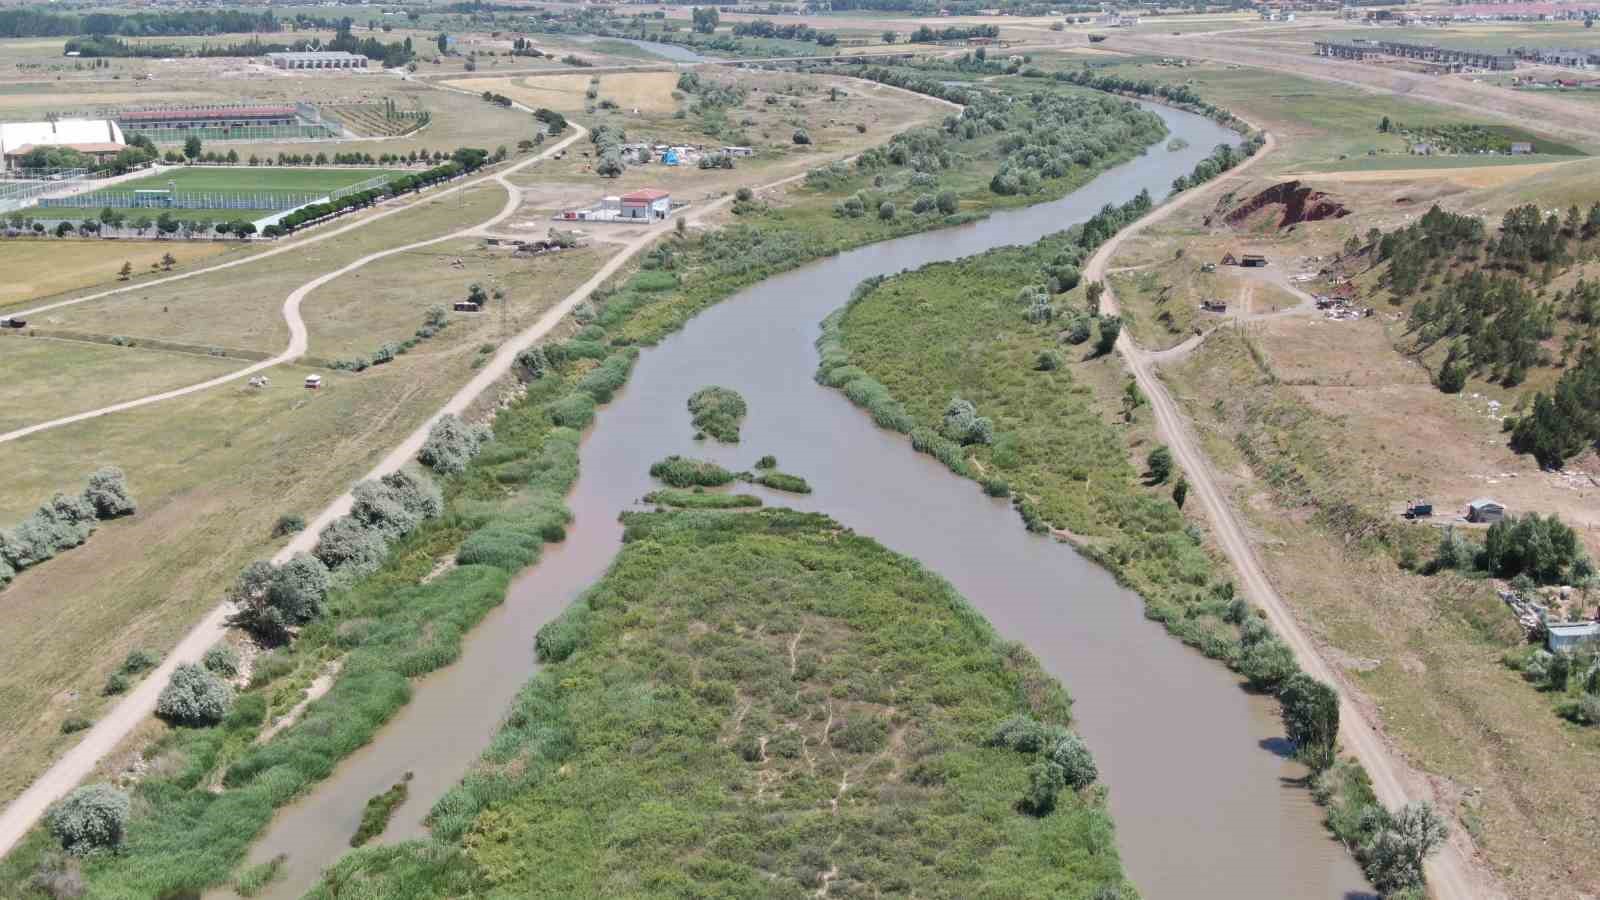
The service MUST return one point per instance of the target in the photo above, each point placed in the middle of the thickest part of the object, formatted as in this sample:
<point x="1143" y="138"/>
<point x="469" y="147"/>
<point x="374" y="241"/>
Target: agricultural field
<point x="648" y="92"/>
<point x="372" y="119"/>
<point x="42" y="267"/>
<point x="751" y="631"/>
<point x="1489" y="37"/>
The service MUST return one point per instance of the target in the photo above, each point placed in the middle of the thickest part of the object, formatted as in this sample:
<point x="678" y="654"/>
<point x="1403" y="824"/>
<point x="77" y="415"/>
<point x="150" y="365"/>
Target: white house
<point x="649" y="203"/>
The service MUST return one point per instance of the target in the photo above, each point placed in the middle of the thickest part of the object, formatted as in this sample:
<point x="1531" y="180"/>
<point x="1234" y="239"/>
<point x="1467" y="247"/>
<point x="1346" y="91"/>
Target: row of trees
<point x="464" y="161"/>
<point x="64" y="522"/>
<point x="789" y="31"/>
<point x="1543" y="549"/>
<point x="37" y="22"/>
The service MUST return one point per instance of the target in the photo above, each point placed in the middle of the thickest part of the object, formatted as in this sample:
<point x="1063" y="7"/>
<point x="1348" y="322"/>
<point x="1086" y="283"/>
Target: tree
<point x="1180" y="491"/>
<point x="705" y="21"/>
<point x="1110" y="328"/>
<point x="1394" y="858"/>
<point x="801" y="136"/>
<point x="191" y="148"/>
<point x="194" y="697"/>
<point x="126" y="272"/>
<point x="1092" y="295"/>
<point x="948" y="203"/>
<point x="1072" y="755"/>
<point x="272" y="599"/>
<point x="1045" y="781"/>
<point x="1384" y="125"/>
<point x="1159" y="465"/>
<point x="889" y="36"/>
<point x="886" y="210"/>
<point x="107" y="492"/>
<point x="110" y="218"/>
<point x="92" y="817"/>
<point x="1310" y="711"/>
<point x="1267" y="663"/>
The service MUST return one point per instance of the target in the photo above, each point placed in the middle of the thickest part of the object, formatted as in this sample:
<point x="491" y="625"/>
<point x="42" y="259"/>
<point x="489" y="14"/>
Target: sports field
<point x="222" y="192"/>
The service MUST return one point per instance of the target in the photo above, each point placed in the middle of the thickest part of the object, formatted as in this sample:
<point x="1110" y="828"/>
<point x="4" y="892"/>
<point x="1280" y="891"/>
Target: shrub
<point x="963" y="425"/>
<point x="532" y="364"/>
<point x="744" y="195"/>
<point x="222" y="660"/>
<point x="1021" y="733"/>
<point x="575" y="410"/>
<point x="90" y="818"/>
<point x="139" y="660"/>
<point x="1267" y="663"/>
<point x="194" y="697"/>
<point x="1047" y="361"/>
<point x="107" y="492"/>
<point x="947" y="202"/>
<point x="860" y="735"/>
<point x="1310" y="711"/>
<point x="718" y="411"/>
<point x="1071" y="754"/>
<point x="1159" y="464"/>
<point x="1045" y="781"/>
<point x="801" y="137"/>
<point x="778" y="481"/>
<point x="74" y="724"/>
<point x="451" y="444"/>
<point x="767" y="462"/>
<point x="116" y="684"/>
<point x="886" y="210"/>
<point x="288" y="524"/>
<point x="1078" y="332"/>
<point x="348" y="545"/>
<point x="1394" y="858"/>
<point x="1110" y="328"/>
<point x="682" y="472"/>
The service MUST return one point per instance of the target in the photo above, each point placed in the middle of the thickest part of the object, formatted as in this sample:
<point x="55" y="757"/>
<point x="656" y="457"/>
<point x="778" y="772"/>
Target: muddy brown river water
<point x="1202" y="796"/>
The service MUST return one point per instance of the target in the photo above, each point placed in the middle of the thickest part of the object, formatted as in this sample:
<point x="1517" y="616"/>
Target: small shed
<point x="313" y="382"/>
<point x="649" y="203"/>
<point x="1570" y="637"/>
<point x="1252" y="260"/>
<point x="1485" y="510"/>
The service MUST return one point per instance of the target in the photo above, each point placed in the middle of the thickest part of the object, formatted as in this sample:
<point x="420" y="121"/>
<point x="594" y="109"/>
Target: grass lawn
<point x="38" y="268"/>
<point x="251" y="179"/>
<point x="42" y="379"/>
<point x="1397" y="163"/>
<point x="759" y="704"/>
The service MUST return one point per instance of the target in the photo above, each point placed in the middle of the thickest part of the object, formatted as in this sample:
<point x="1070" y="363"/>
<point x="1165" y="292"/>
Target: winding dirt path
<point x="1451" y="873"/>
<point x="298" y="340"/>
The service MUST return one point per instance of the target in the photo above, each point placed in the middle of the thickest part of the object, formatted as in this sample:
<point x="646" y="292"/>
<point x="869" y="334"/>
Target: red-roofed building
<point x="649" y="203"/>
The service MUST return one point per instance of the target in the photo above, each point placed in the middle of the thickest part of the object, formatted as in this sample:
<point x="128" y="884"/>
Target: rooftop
<point x="646" y="195"/>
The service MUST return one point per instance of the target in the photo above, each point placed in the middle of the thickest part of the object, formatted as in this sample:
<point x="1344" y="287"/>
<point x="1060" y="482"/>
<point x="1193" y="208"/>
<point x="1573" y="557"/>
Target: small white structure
<point x="650" y="203"/>
<point x="313" y="382"/>
<point x="1570" y="637"/>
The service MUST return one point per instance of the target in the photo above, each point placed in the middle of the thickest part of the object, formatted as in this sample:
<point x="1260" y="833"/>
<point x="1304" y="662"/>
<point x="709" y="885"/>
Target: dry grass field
<point x="648" y="92"/>
<point x="41" y="378"/>
<point x="43" y="267"/>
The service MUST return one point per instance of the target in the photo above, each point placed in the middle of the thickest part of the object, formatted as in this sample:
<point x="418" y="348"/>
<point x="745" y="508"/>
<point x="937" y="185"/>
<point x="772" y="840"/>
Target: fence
<point x="241" y="133"/>
<point x="20" y="187"/>
<point x="375" y="181"/>
<point x="272" y="200"/>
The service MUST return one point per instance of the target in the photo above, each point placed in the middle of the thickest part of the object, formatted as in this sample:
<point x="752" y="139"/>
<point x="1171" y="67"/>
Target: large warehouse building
<point x="100" y="138"/>
<point x="318" y="59"/>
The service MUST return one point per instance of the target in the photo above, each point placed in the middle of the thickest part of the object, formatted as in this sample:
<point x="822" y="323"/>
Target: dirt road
<point x="1452" y="874"/>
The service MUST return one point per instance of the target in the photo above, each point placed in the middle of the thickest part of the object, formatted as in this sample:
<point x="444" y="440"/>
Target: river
<point x="1199" y="787"/>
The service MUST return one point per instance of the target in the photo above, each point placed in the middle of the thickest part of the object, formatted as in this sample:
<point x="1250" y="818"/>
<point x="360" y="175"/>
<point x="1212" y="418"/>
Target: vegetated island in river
<point x="717" y="411"/>
<point x="767" y="704"/>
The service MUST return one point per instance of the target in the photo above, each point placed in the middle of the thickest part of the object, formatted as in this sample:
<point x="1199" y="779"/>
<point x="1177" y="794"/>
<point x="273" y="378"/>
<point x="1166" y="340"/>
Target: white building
<point x="649" y="203"/>
<point x="96" y="137"/>
<point x="318" y="59"/>
<point x="1572" y="636"/>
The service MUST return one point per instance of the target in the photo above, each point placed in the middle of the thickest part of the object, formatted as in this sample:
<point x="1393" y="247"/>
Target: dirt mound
<point x="1299" y="203"/>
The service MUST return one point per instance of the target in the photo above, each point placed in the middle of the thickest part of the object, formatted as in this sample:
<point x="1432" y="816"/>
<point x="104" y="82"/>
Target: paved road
<point x="1451" y="874"/>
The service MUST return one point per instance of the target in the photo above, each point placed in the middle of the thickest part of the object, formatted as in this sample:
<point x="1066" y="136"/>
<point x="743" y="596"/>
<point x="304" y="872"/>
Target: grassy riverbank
<point x="758" y="704"/>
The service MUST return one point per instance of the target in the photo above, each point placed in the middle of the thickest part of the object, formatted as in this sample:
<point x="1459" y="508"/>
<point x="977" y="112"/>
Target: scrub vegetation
<point x="767" y="704"/>
<point x="718" y="411"/>
<point x="701" y="499"/>
<point x="64" y="522"/>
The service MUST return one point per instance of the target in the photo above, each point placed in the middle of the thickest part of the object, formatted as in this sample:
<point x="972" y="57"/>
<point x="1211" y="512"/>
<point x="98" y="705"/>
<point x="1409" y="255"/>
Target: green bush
<point x="575" y="410"/>
<point x="221" y="660"/>
<point x="139" y="660"/>
<point x="91" y="818"/>
<point x="107" y="492"/>
<point x="451" y="444"/>
<point x="74" y="724"/>
<point x="682" y="472"/>
<point x="718" y="411"/>
<point x="116" y="684"/>
<point x="698" y="499"/>
<point x="288" y="524"/>
<point x="194" y="697"/>
<point x="779" y="481"/>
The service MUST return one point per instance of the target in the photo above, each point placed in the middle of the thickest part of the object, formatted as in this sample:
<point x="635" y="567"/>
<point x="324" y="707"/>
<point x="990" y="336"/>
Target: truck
<point x="1419" y="509"/>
